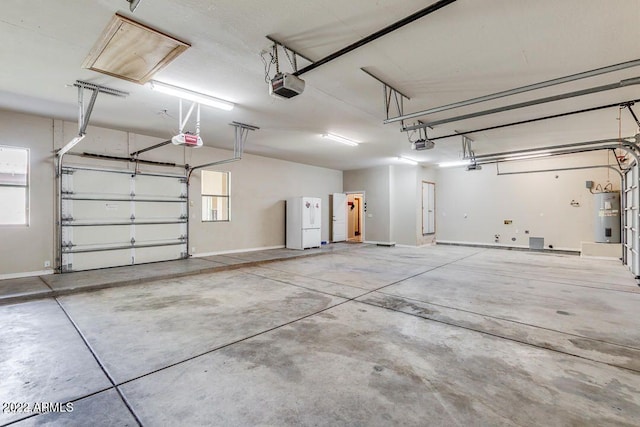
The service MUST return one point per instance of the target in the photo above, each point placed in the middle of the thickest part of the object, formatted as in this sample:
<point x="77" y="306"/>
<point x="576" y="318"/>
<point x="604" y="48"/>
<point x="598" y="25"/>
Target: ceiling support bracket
<point x="391" y="96"/>
<point x="240" y="137"/>
<point x="84" y="114"/>
<point x="467" y="151"/>
<point x="633" y="114"/>
<point x="287" y="49"/>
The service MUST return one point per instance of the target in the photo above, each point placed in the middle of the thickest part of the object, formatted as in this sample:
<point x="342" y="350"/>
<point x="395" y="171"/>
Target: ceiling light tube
<point x="527" y="156"/>
<point x="454" y="164"/>
<point x="341" y="139"/>
<point x="407" y="160"/>
<point x="191" y="95"/>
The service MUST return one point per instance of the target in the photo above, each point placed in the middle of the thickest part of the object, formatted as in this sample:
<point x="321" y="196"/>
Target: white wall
<point x="404" y="180"/>
<point x="471" y="206"/>
<point x="26" y="248"/>
<point x="394" y="202"/>
<point x="259" y="187"/>
<point x="375" y="182"/>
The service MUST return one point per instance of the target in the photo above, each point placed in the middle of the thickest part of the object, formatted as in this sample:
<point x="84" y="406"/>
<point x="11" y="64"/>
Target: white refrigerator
<point x="304" y="217"/>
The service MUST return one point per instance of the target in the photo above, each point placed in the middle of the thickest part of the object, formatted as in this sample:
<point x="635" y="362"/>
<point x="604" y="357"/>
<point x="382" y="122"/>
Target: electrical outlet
<point x="193" y="249"/>
<point x="47" y="263"/>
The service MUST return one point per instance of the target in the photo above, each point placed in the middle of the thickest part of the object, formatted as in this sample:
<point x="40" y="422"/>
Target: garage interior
<point x="285" y="213"/>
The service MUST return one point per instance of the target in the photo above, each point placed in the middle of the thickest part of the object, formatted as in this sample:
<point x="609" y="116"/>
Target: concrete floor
<point x="364" y="335"/>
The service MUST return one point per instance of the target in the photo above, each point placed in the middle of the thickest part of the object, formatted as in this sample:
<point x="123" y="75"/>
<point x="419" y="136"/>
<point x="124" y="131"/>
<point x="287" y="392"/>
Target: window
<point x="215" y="196"/>
<point x="14" y="185"/>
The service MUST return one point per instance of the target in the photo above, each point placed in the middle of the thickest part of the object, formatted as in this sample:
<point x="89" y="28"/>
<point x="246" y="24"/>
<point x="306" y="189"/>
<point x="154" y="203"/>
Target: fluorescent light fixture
<point x="341" y="139"/>
<point x="528" y="156"/>
<point x="191" y="95"/>
<point x="407" y="160"/>
<point x="454" y="164"/>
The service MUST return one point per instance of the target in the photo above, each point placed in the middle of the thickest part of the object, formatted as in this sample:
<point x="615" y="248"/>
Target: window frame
<point x="26" y="186"/>
<point x="227" y="196"/>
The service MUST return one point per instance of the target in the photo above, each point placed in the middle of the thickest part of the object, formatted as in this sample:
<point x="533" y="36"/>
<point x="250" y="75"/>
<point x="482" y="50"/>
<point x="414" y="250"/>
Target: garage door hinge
<point x="133" y="241"/>
<point x="132" y="217"/>
<point x="67" y="218"/>
<point x="183" y="196"/>
<point x="184" y="216"/>
<point x="182" y="238"/>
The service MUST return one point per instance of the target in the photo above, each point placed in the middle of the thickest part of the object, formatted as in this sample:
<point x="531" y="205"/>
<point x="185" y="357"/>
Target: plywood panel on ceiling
<point x="132" y="51"/>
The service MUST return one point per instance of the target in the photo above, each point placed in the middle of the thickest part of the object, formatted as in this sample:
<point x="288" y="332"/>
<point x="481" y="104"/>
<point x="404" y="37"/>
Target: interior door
<point x="339" y="218"/>
<point x="428" y="208"/>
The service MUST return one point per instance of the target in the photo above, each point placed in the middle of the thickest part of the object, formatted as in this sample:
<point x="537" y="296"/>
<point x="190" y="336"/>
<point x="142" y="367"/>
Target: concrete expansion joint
<point x="80" y="289"/>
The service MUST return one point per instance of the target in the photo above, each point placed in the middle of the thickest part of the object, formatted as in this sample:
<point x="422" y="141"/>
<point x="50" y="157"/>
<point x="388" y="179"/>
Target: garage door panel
<point x="104" y="210"/>
<point x="101" y="183"/>
<point x="164" y="253"/>
<point x="159" y="210"/>
<point x="99" y="210"/>
<point x="153" y="186"/>
<point x="100" y="236"/>
<point x="93" y="260"/>
<point x="154" y="233"/>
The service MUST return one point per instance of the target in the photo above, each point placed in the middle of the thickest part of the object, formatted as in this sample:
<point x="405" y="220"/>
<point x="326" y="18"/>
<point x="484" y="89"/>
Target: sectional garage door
<point x="630" y="221"/>
<point x="118" y="217"/>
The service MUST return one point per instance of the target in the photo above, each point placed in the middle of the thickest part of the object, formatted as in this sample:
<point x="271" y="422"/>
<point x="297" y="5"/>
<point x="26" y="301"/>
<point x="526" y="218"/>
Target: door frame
<point x="422" y="207"/>
<point x="363" y="211"/>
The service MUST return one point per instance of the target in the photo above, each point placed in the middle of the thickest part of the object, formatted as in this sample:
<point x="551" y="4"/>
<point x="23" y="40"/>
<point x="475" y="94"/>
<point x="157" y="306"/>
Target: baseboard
<point x="236" y="251"/>
<point x="569" y="251"/>
<point x="26" y="274"/>
<point x="372" y="242"/>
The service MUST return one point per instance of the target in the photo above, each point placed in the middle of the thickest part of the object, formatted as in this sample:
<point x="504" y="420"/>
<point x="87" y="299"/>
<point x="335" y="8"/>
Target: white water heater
<point x="607" y="221"/>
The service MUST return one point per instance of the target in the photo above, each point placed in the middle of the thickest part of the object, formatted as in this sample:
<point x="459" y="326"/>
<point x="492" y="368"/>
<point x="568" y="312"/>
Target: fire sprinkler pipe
<point x="386" y="30"/>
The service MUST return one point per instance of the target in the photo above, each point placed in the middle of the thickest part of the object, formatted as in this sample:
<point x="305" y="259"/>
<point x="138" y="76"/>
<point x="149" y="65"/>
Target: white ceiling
<point x="467" y="49"/>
